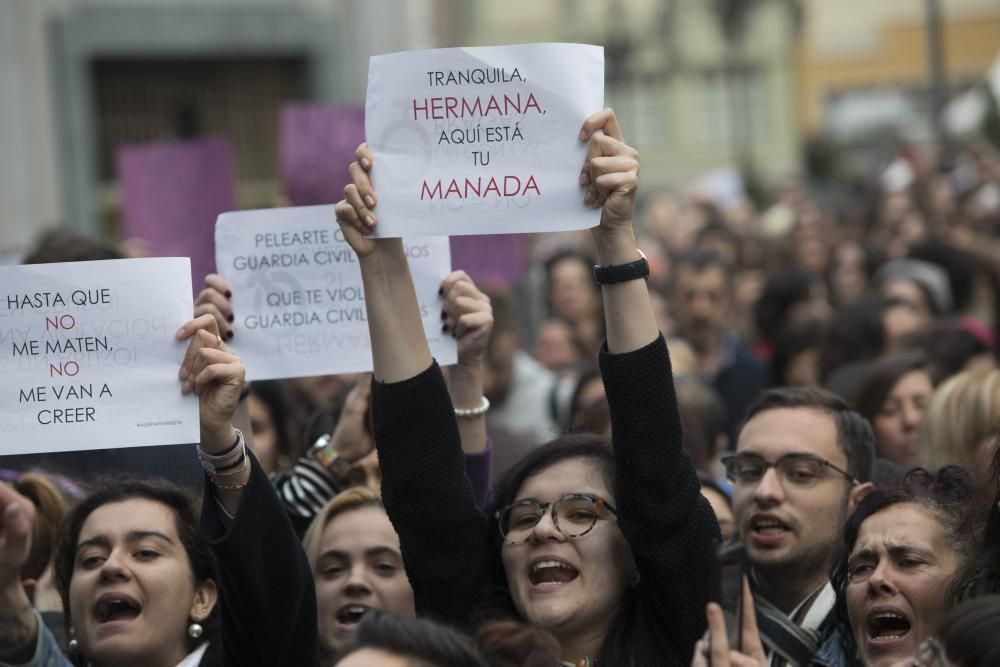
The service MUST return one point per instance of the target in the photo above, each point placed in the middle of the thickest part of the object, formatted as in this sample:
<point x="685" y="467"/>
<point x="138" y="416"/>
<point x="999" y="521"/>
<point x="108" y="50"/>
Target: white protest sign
<point x="482" y="140"/>
<point x="89" y="358"/>
<point x="298" y="300"/>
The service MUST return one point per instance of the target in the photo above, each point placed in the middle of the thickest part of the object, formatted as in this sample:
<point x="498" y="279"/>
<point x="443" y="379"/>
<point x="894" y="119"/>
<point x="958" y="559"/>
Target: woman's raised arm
<point x="425" y="489"/>
<point x="610" y="175"/>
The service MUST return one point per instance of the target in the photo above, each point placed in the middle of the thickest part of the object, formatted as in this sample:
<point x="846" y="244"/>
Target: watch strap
<point x="620" y="273"/>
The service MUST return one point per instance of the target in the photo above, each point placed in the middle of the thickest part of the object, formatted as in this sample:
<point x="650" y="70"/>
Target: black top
<point x="445" y="541"/>
<point x="267" y="599"/>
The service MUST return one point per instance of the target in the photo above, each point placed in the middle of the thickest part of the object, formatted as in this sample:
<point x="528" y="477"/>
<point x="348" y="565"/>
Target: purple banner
<point x="171" y="193"/>
<point x="492" y="260"/>
<point x="317" y="143"/>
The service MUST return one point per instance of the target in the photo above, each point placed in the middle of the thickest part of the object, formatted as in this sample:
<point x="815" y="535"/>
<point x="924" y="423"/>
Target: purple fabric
<point x="172" y="192"/>
<point x="479" y="469"/>
<point x="317" y="143"/>
<point x="492" y="260"/>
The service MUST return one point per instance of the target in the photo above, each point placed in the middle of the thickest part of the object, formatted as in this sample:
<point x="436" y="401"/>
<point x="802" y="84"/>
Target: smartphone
<point x="727" y="589"/>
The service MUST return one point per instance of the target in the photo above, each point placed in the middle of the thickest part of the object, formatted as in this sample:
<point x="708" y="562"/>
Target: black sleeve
<point x="266" y="594"/>
<point x="670" y="526"/>
<point x="428" y="496"/>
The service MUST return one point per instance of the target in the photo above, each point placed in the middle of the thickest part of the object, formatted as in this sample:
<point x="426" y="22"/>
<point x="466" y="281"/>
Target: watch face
<point x="325" y="455"/>
<point x="321" y="451"/>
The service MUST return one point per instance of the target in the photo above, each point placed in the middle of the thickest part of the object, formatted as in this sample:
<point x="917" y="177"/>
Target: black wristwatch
<point x="609" y="275"/>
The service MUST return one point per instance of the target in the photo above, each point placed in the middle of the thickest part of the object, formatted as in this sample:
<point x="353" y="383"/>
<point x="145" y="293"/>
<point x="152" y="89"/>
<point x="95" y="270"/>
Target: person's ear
<point x="857" y="494"/>
<point x="206" y="594"/>
<point x="29" y="586"/>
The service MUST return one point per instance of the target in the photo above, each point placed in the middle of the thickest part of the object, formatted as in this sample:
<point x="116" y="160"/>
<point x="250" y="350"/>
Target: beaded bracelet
<point x="471" y="413"/>
<point x="232" y="487"/>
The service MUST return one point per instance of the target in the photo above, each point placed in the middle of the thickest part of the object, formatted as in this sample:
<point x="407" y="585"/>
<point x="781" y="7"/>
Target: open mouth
<point x="112" y="607"/>
<point x="351" y="614"/>
<point x="887" y="626"/>
<point x="552" y="573"/>
<point x="768" y="526"/>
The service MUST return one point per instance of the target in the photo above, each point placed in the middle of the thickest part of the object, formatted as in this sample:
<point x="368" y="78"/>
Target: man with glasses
<point x="803" y="461"/>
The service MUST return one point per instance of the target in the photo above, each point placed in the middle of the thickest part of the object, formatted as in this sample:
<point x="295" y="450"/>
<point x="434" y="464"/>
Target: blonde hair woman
<point x="958" y="420"/>
<point x="355" y="558"/>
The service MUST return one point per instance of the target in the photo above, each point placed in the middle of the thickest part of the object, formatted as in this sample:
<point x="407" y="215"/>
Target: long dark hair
<point x="949" y="495"/>
<point x="186" y="510"/>
<point x="595" y="449"/>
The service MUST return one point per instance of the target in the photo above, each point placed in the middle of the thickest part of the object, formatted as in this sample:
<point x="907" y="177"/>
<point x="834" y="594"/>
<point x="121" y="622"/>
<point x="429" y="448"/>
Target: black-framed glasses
<point x="574" y="515"/>
<point x="797" y="470"/>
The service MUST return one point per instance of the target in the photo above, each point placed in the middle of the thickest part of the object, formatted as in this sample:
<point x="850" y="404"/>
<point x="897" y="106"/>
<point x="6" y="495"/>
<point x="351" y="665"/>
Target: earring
<point x="73" y="646"/>
<point x="195" y="630"/>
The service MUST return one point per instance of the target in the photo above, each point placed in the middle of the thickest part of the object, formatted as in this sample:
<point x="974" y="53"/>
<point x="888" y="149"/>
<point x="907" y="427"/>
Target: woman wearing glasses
<point x="607" y="548"/>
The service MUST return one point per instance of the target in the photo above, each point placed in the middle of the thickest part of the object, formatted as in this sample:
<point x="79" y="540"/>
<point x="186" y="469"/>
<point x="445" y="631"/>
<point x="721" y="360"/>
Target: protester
<point x="803" y="462"/>
<point x="619" y="578"/>
<point x="965" y="637"/>
<point x="573" y="297"/>
<point x="701" y="298"/>
<point x="958" y="421"/>
<point x="721" y="504"/>
<point x="899" y="556"/>
<point x="893" y="397"/>
<point x="356" y="561"/>
<point x="138" y="581"/>
<point x="272" y="440"/>
<point x="388" y="641"/>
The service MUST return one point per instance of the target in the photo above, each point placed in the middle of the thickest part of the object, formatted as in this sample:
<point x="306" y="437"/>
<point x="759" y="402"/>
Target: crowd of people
<point x="814" y="381"/>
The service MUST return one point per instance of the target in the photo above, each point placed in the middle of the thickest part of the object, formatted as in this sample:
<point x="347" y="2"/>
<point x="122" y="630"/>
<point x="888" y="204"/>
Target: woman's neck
<point x="582" y="645"/>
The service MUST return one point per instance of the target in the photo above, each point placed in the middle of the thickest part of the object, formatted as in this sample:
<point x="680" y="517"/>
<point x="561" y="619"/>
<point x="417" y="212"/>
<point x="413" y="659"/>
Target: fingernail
<point x="583" y="135"/>
<point x="186" y="387"/>
<point x="583" y="178"/>
<point x="229" y="294"/>
<point x="229" y="334"/>
<point x="184" y="372"/>
<point x="230" y="318"/>
<point x="369" y="200"/>
<point x="180" y="333"/>
<point x="364" y="162"/>
<point x="369" y="221"/>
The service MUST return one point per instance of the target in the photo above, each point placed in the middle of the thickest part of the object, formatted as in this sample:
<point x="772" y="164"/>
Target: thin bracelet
<point x="215" y="463"/>
<point x="231" y="487"/>
<point x="225" y="454"/>
<point x="234" y="469"/>
<point x="471" y="413"/>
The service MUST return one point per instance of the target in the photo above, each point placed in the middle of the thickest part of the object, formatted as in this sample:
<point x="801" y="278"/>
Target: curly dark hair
<point x="186" y="509"/>
<point x="949" y="495"/>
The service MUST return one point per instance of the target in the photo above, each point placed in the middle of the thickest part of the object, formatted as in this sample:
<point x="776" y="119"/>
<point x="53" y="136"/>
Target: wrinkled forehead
<point x="902" y="526"/>
<point x="573" y="475"/>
